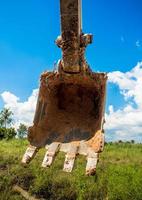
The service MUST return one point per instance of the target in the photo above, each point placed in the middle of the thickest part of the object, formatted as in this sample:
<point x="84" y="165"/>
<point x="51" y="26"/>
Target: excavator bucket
<point x="69" y="115"/>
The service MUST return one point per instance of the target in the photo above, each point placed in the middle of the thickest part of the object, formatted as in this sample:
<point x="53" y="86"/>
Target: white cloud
<point x="138" y="43"/>
<point x="23" y="111"/>
<point x="126" y="123"/>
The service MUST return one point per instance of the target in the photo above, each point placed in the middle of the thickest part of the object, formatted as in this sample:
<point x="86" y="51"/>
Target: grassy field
<point x="118" y="177"/>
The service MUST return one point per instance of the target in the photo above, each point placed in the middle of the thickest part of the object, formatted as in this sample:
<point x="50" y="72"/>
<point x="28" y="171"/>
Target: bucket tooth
<point x="92" y="160"/>
<point x="29" y="154"/>
<point x="70" y="158"/>
<point x="50" y="154"/>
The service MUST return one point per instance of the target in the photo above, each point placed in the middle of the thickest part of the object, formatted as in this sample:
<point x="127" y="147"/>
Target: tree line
<point x="7" y="131"/>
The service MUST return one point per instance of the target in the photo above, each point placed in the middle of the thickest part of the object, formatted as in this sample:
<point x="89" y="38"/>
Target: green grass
<point x="118" y="177"/>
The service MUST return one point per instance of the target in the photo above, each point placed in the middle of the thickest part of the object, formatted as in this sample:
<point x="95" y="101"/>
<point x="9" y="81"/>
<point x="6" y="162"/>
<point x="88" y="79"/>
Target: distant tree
<point x="133" y="141"/>
<point x="6" y="132"/>
<point x="6" y="117"/>
<point x="1" y="122"/>
<point x="22" y="131"/>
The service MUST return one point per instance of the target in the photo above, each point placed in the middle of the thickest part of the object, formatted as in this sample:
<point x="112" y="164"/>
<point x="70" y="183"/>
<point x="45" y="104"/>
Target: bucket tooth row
<point x="71" y="150"/>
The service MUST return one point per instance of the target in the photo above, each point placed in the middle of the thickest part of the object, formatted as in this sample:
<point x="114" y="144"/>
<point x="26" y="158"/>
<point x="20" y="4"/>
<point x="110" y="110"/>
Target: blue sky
<point x="28" y="29"/>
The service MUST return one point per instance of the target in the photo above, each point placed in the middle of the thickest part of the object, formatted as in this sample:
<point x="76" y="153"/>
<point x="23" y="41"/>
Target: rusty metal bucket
<point x="69" y="108"/>
<point x="69" y="117"/>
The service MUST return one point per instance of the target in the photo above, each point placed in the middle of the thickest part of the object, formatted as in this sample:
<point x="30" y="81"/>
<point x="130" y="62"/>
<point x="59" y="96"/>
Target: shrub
<point x="7" y="133"/>
<point x="2" y="133"/>
<point x="10" y="133"/>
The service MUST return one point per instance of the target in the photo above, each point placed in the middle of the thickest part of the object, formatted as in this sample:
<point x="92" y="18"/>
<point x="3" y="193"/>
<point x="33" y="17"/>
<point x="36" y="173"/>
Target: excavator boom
<point x="71" y="16"/>
<point x="72" y="40"/>
<point x="70" y="34"/>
